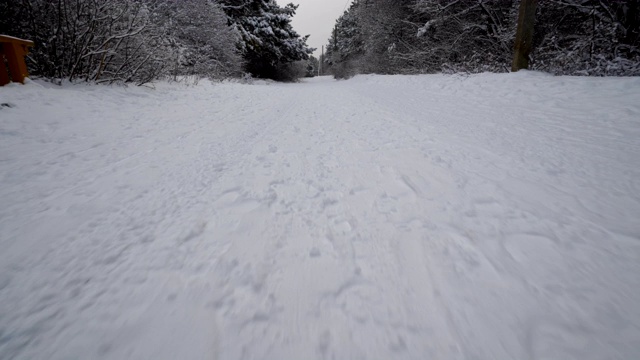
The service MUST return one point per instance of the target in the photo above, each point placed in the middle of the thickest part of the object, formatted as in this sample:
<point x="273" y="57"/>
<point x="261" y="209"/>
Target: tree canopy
<point x="578" y="37"/>
<point x="268" y="39"/>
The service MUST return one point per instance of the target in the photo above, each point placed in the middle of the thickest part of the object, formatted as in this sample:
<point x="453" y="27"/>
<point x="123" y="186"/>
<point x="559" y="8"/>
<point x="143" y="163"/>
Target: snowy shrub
<point x="346" y="69"/>
<point x="197" y="39"/>
<point x="290" y="71"/>
<point x="91" y="40"/>
<point x="123" y="40"/>
<point x="472" y="38"/>
<point x="311" y="67"/>
<point x="593" y="38"/>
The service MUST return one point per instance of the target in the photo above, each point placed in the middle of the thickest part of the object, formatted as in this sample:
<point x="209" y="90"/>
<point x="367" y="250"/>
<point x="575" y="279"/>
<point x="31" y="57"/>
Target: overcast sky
<point x="316" y="18"/>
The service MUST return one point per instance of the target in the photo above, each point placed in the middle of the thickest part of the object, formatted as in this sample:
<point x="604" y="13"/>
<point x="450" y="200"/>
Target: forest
<point x="138" y="41"/>
<point x="571" y="37"/>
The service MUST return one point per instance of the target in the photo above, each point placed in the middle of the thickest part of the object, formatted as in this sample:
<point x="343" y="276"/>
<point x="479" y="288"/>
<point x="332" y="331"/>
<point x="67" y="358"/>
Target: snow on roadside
<point x="445" y="217"/>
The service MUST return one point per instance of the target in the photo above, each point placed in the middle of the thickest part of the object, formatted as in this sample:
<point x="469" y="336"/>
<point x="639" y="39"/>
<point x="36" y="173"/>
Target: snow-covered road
<point x="398" y="217"/>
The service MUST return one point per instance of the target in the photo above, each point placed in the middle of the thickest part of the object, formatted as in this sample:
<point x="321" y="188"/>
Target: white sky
<point x="316" y="18"/>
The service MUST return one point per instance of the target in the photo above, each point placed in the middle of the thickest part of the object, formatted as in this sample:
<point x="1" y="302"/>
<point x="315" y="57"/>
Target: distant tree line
<point x="575" y="37"/>
<point x="138" y="41"/>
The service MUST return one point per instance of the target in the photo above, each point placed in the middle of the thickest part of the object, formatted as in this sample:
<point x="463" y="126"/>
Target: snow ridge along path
<point x="384" y="217"/>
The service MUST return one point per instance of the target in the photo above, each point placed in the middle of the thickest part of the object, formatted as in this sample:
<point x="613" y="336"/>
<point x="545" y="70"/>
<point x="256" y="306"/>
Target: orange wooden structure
<point x="13" y="51"/>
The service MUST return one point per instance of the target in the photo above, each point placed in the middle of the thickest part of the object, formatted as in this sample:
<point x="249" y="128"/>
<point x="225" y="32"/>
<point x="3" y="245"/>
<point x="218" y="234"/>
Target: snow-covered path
<point x="404" y="217"/>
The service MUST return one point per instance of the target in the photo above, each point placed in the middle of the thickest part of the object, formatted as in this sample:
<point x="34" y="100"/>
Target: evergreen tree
<point x="312" y="67"/>
<point x="346" y="44"/>
<point x="269" y="43"/>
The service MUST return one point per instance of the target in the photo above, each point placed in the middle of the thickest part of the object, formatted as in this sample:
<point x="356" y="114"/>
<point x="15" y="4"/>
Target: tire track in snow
<point x="328" y="252"/>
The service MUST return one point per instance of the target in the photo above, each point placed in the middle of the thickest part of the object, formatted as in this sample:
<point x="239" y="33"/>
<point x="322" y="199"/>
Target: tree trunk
<point x="632" y="24"/>
<point x="524" y="34"/>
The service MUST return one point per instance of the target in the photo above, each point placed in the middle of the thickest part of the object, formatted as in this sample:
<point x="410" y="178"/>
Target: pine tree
<point x="346" y="44"/>
<point x="312" y="67"/>
<point x="269" y="43"/>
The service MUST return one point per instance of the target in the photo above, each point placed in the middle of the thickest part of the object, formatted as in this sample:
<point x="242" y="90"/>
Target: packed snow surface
<point x="396" y="217"/>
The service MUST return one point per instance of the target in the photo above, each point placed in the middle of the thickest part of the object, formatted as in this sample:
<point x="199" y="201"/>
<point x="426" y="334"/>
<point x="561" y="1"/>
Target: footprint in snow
<point x="315" y="252"/>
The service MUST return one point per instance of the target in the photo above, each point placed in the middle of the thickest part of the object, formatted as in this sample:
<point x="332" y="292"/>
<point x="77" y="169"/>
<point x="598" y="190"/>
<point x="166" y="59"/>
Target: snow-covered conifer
<point x="269" y="43"/>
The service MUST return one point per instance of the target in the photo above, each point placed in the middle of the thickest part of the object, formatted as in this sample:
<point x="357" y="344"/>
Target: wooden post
<point x="524" y="34"/>
<point x="14" y="50"/>
<point x="320" y="62"/>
